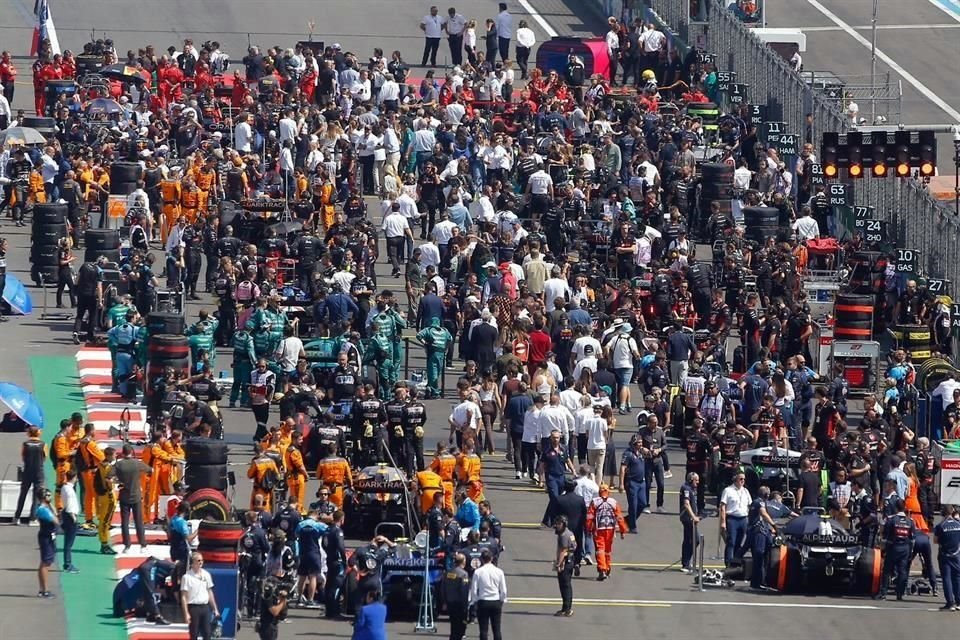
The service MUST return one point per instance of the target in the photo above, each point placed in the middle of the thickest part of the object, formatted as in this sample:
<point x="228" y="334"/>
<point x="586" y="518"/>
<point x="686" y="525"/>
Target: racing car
<point x="378" y="495"/>
<point x="399" y="570"/>
<point x="774" y="467"/>
<point x="813" y="553"/>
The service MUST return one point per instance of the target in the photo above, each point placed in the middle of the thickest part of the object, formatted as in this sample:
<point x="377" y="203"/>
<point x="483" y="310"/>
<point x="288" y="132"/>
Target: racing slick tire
<point x="208" y="504"/>
<point x="868" y="574"/>
<point x="204" y="451"/>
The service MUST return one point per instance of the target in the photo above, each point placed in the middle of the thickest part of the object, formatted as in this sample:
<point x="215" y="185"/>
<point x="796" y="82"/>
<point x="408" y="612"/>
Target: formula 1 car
<point x="813" y="553"/>
<point x="400" y="571"/>
<point x="774" y="467"/>
<point x="378" y="495"/>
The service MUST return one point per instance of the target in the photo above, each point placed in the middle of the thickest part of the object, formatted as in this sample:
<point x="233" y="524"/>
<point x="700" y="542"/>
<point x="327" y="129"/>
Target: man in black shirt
<point x="89" y="297"/>
<point x="430" y="196"/>
<point x="18" y="170"/>
<point x="336" y="550"/>
<point x="808" y="495"/>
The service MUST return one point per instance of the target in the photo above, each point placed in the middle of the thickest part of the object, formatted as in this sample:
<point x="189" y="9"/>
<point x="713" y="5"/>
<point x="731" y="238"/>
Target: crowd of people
<point x="545" y="235"/>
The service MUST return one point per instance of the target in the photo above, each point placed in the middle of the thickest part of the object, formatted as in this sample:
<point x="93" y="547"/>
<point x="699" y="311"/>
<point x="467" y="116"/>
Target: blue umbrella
<point x="17" y="296"/>
<point x="22" y="403"/>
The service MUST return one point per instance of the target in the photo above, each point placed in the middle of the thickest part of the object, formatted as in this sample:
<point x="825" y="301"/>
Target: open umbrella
<point x="22" y="136"/>
<point x="17" y="296"/>
<point x="124" y="72"/>
<point x="22" y="403"/>
<point x="102" y="106"/>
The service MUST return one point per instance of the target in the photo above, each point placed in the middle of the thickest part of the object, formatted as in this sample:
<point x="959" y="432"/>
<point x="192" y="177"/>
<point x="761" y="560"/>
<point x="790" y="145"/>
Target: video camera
<point x="276" y="589"/>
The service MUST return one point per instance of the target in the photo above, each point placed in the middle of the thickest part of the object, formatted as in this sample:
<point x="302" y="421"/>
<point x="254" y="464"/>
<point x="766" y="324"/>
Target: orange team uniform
<point x="161" y="462"/>
<point x="205" y="181"/>
<point x="62" y="461"/>
<point x="260" y="468"/>
<point x="603" y="517"/>
<point x="173" y="471"/>
<point x="297" y="476"/>
<point x="468" y="473"/>
<point x="92" y="456"/>
<point x="327" y="204"/>
<point x="445" y="466"/>
<point x="35" y="186"/>
<point x="334" y="472"/>
<point x="430" y="484"/>
<point x="190" y="203"/>
<point x="176" y="471"/>
<point x="170" y="196"/>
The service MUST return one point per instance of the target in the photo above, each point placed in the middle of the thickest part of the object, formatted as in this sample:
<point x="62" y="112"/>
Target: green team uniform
<point x="266" y="326"/>
<point x="435" y="340"/>
<point x="201" y="337"/>
<point x="244" y="359"/>
<point x="380" y="353"/>
<point x="394" y="324"/>
<point x="143" y="335"/>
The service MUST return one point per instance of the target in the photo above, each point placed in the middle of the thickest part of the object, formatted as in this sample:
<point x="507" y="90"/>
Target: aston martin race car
<point x="813" y="553"/>
<point x="379" y="495"/>
<point x="774" y="467"/>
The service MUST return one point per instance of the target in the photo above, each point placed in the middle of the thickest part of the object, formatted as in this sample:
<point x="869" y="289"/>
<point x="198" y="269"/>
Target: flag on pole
<point x="44" y="28"/>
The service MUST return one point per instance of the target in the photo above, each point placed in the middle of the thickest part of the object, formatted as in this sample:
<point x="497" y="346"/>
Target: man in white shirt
<point x="243" y="135"/>
<point x="555" y="287"/>
<point x="742" y="177"/>
<point x="454" y="25"/>
<point x="68" y="519"/>
<point x="530" y="438"/>
<point x="579" y="349"/>
<point x="429" y="255"/>
<point x="443" y="230"/>
<point x="556" y="417"/>
<point x="288" y="127"/>
<point x="464" y="415"/>
<point x="504" y="22"/>
<point x="589" y="361"/>
<point x="539" y="191"/>
<point x="806" y="226"/>
<point x="653" y="42"/>
<point x="622" y="351"/>
<point x="396" y="230"/>
<point x="488" y="593"/>
<point x="197" y="599"/>
<point x="389" y="95"/>
<point x="734" y="508"/>
<point x="49" y="170"/>
<point x="525" y="41"/>
<point x="432" y="27"/>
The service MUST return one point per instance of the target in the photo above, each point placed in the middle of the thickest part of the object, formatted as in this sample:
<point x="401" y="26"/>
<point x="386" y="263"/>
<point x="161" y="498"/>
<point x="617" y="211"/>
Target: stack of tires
<point x="716" y="180"/>
<point x="761" y="223"/>
<point x="166" y="350"/>
<point x="206" y="464"/>
<point x="853" y="314"/>
<point x="915" y="339"/>
<point x="124" y="177"/>
<point x="164" y="322"/>
<point x="219" y="541"/>
<point x="49" y="227"/>
<point x="102" y="242"/>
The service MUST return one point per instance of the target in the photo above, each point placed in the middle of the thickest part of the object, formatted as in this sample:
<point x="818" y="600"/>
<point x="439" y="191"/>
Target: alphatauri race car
<point x="774" y="467"/>
<point x="813" y="553"/>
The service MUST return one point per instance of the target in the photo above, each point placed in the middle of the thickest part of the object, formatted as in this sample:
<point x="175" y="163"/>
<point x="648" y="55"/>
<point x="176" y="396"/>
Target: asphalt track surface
<point x="918" y="42"/>
<point x="645" y="596"/>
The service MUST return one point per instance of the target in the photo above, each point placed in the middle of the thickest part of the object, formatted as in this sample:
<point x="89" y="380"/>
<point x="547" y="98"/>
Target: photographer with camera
<point x="273" y="608"/>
